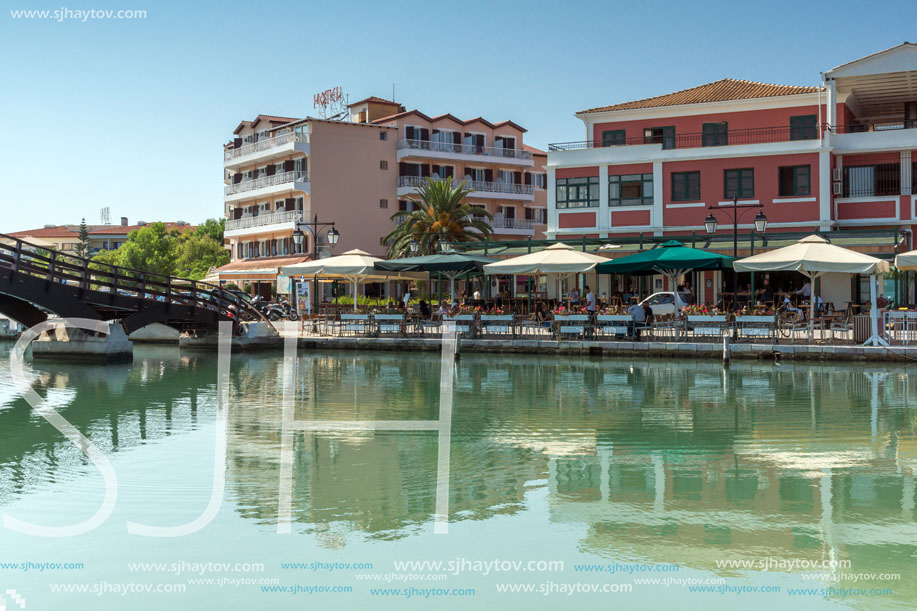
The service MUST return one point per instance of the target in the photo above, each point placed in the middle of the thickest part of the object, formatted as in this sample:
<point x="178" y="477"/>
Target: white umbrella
<point x="906" y="261"/>
<point x="354" y="265"/>
<point x="814" y="256"/>
<point x="558" y="260"/>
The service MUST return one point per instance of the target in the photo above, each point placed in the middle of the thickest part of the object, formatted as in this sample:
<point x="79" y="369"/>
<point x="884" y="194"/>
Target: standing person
<point x="806" y="290"/>
<point x="407" y="297"/>
<point x="590" y="301"/>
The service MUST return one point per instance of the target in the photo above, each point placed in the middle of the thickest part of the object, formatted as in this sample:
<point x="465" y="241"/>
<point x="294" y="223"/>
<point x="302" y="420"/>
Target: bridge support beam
<point x="72" y="343"/>
<point x="251" y="336"/>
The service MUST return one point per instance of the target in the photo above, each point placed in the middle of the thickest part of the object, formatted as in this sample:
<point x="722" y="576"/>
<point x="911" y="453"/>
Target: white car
<point x="665" y="303"/>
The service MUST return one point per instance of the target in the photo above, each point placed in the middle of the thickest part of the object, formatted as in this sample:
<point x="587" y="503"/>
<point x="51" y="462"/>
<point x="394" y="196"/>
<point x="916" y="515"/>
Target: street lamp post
<point x="760" y="226"/>
<point x="314" y="228"/>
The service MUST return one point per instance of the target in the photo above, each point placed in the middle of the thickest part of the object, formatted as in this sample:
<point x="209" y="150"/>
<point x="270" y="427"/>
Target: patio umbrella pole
<point x="874" y="338"/>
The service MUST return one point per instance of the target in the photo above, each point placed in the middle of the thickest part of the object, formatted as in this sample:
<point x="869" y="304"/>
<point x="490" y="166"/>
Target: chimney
<point x="124" y="221"/>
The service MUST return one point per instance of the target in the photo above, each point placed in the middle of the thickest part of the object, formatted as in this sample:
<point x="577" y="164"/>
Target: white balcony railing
<point x="266" y="181"/>
<point x="463" y="149"/>
<point x="474" y="185"/>
<point x="247" y="222"/>
<point x="263" y="145"/>
<point x="506" y="223"/>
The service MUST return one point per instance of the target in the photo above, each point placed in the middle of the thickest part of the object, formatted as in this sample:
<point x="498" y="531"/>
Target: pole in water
<point x="725" y="351"/>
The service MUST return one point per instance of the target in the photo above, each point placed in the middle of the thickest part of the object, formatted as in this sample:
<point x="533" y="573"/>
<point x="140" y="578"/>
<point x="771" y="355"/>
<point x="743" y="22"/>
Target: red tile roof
<point x="72" y="231"/>
<point x="533" y="150"/>
<point x="270" y="118"/>
<point x="719" y="91"/>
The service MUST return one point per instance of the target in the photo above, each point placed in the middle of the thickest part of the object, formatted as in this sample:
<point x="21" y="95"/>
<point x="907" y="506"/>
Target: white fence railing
<point x="505" y="223"/>
<point x="266" y="181"/>
<point x="263" y="219"/>
<point x="464" y="149"/>
<point x="474" y="185"/>
<point x="263" y="145"/>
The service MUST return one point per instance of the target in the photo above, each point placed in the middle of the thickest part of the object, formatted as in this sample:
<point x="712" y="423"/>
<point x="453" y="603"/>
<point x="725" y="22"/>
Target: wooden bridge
<point x="36" y="282"/>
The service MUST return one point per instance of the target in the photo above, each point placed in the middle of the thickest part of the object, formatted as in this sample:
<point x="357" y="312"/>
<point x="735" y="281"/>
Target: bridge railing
<point x="21" y="257"/>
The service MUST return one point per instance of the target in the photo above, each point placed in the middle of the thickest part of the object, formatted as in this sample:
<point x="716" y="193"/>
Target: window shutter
<point x="409" y="132"/>
<point x="436" y="169"/>
<point x="288" y="165"/>
<point x="517" y="178"/>
<point x="424" y="133"/>
<point x="488" y="175"/>
<point x="528" y="214"/>
<point x="271" y="170"/>
<point x="456" y="137"/>
<point x="288" y="203"/>
<point x="435" y="131"/>
<point x="424" y="170"/>
<point x="236" y="143"/>
<point x="236" y="178"/>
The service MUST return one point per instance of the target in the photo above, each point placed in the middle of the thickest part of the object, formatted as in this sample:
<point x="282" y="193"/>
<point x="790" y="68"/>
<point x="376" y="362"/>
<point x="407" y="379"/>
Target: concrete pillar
<point x="552" y="205"/>
<point x="74" y="343"/>
<point x="906" y="173"/>
<point x="603" y="221"/>
<point x="824" y="190"/>
<point x="658" y="207"/>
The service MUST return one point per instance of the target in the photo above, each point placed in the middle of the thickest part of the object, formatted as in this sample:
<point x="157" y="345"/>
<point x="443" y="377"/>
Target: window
<point x="630" y="190"/>
<point x="383" y="203"/>
<point x="405" y="205"/>
<point x="804" y="127"/>
<point x="872" y="180"/>
<point x="578" y="192"/>
<point x="538" y="215"/>
<point x="739" y="183"/>
<point x="240" y="253"/>
<point x="715" y="134"/>
<point x="660" y="135"/>
<point x="614" y="137"/>
<point x="383" y="164"/>
<point x="539" y="181"/>
<point x="685" y="186"/>
<point x="794" y="180"/>
<point x="383" y="135"/>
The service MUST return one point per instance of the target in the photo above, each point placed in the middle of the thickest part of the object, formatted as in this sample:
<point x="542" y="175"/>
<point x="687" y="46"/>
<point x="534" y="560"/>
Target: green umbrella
<point x="671" y="258"/>
<point x="452" y="265"/>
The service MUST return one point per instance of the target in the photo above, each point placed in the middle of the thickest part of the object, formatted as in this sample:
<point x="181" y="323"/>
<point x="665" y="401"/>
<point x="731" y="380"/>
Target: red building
<point x="834" y="158"/>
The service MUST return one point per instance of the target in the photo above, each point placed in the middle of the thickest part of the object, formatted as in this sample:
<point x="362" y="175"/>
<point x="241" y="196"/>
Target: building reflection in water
<point x="675" y="461"/>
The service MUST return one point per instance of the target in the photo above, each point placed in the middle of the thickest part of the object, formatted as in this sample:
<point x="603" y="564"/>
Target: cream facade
<point x="282" y="171"/>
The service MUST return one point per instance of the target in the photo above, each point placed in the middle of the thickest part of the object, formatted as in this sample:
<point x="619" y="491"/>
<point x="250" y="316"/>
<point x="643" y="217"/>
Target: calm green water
<point x="585" y="462"/>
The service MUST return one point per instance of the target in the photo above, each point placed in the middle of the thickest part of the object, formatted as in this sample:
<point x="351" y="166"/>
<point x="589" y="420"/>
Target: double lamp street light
<point x="737" y="213"/>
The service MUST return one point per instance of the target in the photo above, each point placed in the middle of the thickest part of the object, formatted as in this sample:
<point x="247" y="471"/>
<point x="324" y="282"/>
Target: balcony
<point x="267" y="185"/>
<point x="757" y="135"/>
<point x="875" y="137"/>
<point x="463" y="152"/>
<point x="509" y="226"/>
<point x="291" y="141"/>
<point x="479" y="188"/>
<point x="238" y="226"/>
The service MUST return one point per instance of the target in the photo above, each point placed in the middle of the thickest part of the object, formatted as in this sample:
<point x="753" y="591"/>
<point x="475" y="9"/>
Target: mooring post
<point x="725" y="351"/>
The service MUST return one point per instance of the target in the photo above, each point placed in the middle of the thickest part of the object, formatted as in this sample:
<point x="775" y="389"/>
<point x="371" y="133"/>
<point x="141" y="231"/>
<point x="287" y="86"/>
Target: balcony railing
<point x="463" y="149"/>
<point x="266" y="181"/>
<point x="262" y="220"/>
<point x="263" y="145"/>
<point x="474" y="185"/>
<point x="507" y="223"/>
<point x="884" y="126"/>
<point x="756" y="135"/>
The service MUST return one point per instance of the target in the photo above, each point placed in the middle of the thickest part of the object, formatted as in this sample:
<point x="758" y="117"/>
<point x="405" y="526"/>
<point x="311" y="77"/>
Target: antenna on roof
<point x="393" y="92"/>
<point x="105" y="215"/>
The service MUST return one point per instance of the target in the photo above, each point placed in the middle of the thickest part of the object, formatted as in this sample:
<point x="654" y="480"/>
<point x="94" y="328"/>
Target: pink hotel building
<point x="831" y="158"/>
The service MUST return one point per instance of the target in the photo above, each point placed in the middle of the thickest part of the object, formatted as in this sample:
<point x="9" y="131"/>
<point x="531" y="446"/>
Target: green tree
<point x="197" y="252"/>
<point x="82" y="248"/>
<point x="441" y="215"/>
<point x="211" y="228"/>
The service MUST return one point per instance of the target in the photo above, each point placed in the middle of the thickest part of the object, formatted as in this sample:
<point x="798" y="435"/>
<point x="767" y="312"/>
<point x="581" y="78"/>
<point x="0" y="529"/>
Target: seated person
<point x="648" y="315"/>
<point x="424" y="309"/>
<point x="444" y="309"/>
<point x="639" y="314"/>
<point x="767" y="293"/>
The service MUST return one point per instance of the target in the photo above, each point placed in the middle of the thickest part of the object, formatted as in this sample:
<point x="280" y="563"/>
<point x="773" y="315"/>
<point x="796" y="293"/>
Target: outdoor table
<point x="354" y="323"/>
<point x="702" y="325"/>
<point x="464" y="323"/>
<point x="497" y="324"/>
<point x="618" y="325"/>
<point x="756" y="325"/>
<point x="389" y="323"/>
<point x="571" y="324"/>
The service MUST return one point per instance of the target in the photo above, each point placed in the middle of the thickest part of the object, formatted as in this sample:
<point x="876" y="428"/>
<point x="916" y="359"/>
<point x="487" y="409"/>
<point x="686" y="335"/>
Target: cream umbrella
<point x="557" y="260"/>
<point x="355" y="266"/>
<point x="906" y="261"/>
<point x="813" y="256"/>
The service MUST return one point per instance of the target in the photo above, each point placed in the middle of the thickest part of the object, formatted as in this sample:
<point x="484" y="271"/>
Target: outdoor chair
<point x="844" y="327"/>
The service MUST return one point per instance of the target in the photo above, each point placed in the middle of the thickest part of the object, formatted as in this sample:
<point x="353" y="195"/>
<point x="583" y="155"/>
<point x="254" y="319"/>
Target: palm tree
<point x="440" y="216"/>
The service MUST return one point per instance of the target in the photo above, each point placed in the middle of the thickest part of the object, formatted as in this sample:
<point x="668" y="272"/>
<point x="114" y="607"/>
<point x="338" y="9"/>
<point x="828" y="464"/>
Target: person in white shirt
<point x="407" y="298"/>
<point x="806" y="290"/>
<point x="476" y="295"/>
<point x="636" y="310"/>
<point x="590" y="300"/>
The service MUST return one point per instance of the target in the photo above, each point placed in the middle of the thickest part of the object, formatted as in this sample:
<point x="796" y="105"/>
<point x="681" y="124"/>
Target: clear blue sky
<point x="131" y="114"/>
